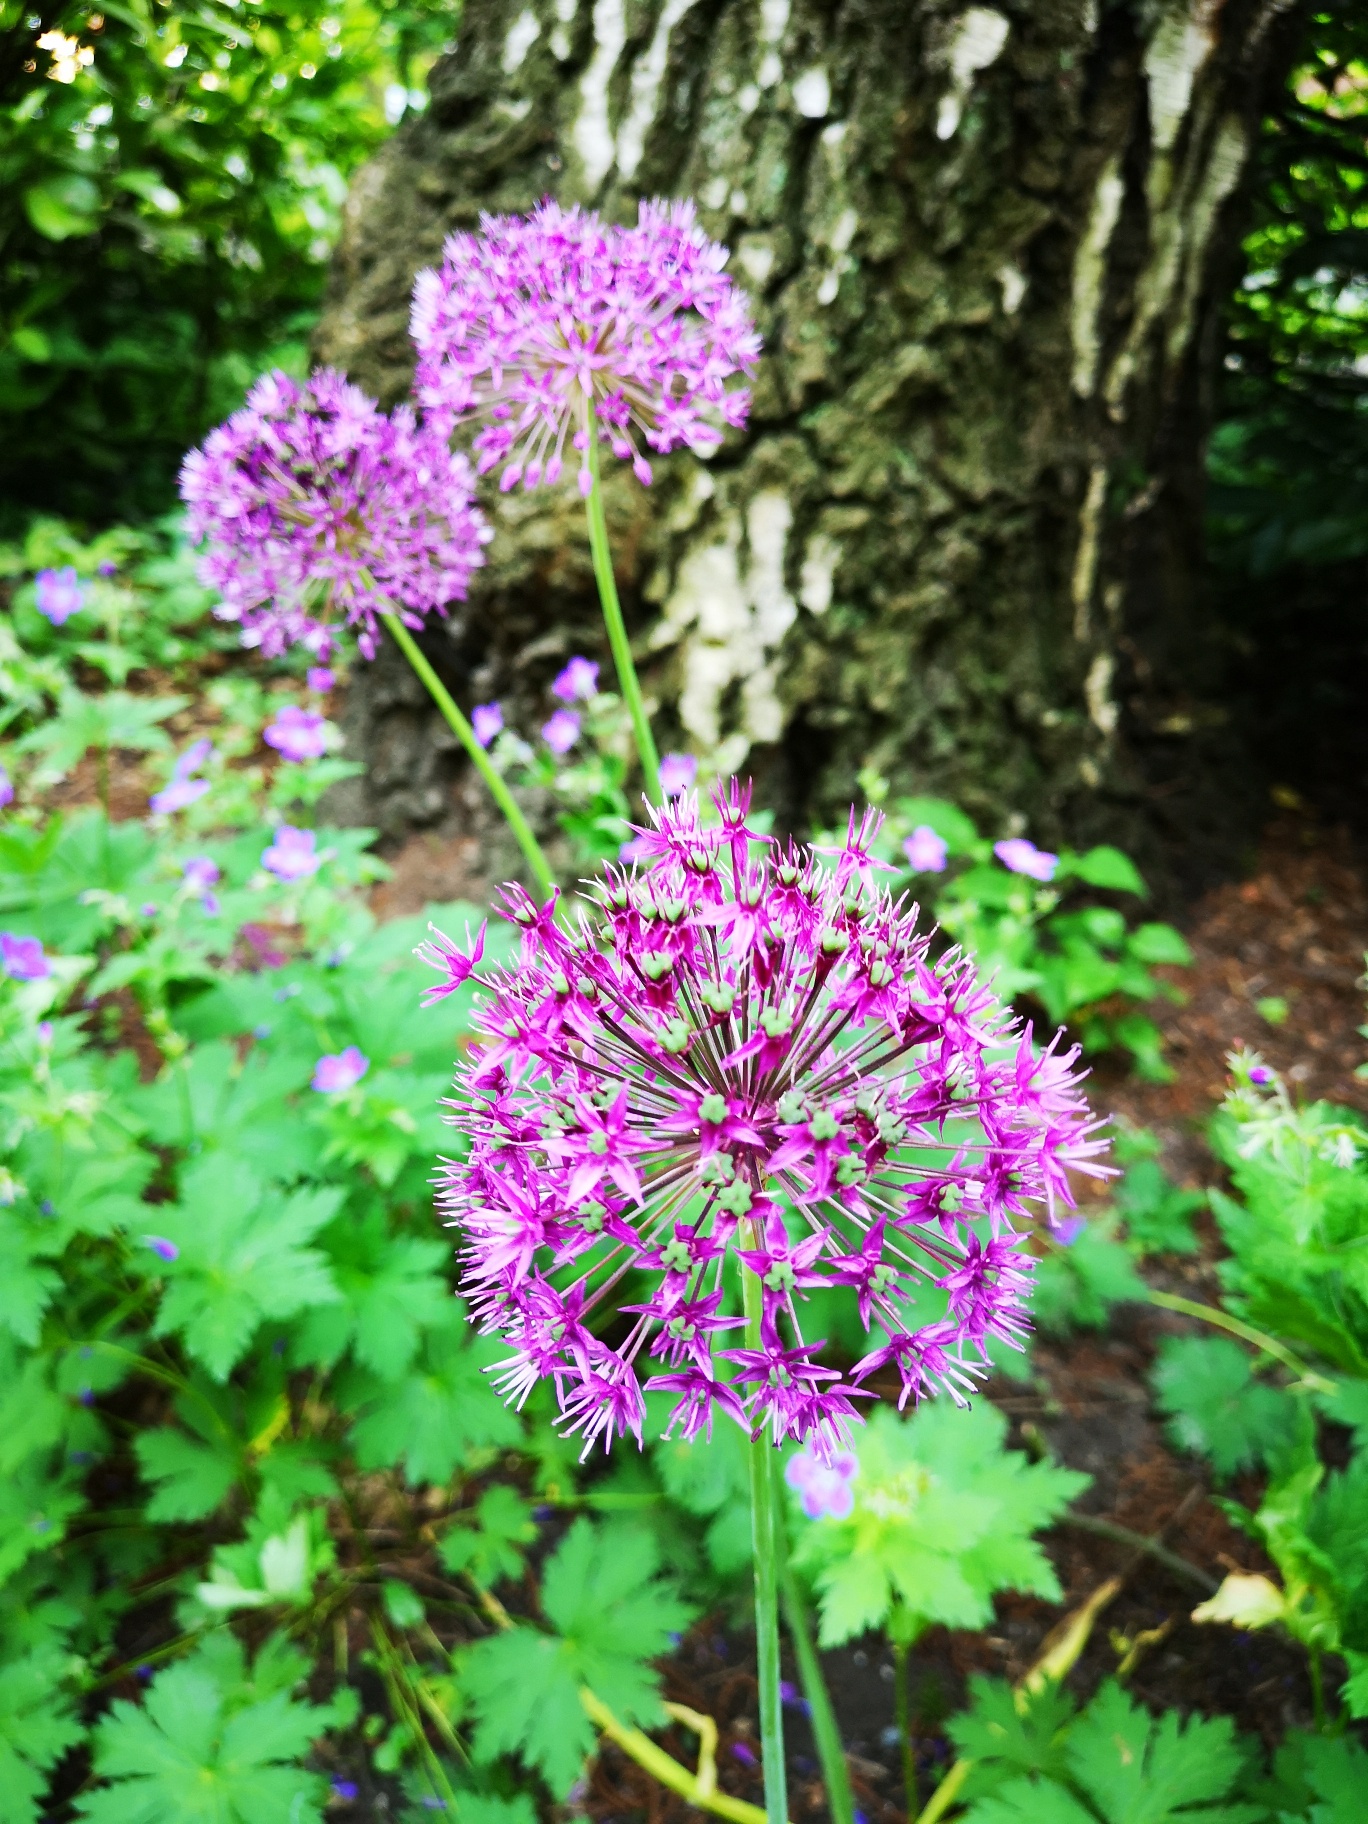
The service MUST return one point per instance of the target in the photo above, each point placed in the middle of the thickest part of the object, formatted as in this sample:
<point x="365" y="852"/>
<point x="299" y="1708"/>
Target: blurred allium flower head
<point x="59" y="594"/>
<point x="740" y="1049"/>
<point x="297" y="734"/>
<point x="1023" y="857"/>
<point x="319" y="509"/>
<point x="533" y="320"/>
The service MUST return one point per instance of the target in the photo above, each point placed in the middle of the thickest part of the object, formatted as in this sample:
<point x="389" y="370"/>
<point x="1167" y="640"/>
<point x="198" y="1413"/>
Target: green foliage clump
<point x="943" y="1519"/>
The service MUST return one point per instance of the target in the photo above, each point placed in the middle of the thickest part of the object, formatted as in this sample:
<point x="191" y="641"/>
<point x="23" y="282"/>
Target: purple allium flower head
<point x="578" y="682"/>
<point x="749" y="1051"/>
<point x="182" y="789"/>
<point x="457" y="965"/>
<point x="486" y="720"/>
<point x="823" y="1488"/>
<point x="925" y="850"/>
<point x="340" y="1070"/>
<point x="535" y="319"/>
<point x="562" y="731"/>
<point x="320" y="678"/>
<point x="297" y="734"/>
<point x="316" y="505"/>
<point x="1024" y="857"/>
<point x="59" y="594"/>
<point x="22" y="958"/>
<point x="292" y="854"/>
<point x="161" y="1247"/>
<point x="677" y="774"/>
<point x="6" y="789"/>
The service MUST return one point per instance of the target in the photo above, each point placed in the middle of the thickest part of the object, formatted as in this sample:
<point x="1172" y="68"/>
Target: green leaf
<point x="612" y="1615"/>
<point x="37" y="1726"/>
<point x="209" y="1746"/>
<point x="63" y="205"/>
<point x="1151" y="944"/>
<point x="1077" y="1286"/>
<point x="1107" y="867"/>
<point x="1216" y="1408"/>
<point x="193" y="1478"/>
<point x="1158" y="1216"/>
<point x="439" y="1411"/>
<point x="942" y="1521"/>
<point x="1004" y="1736"/>
<point x="390" y="1293"/>
<point x="487" y="1544"/>
<point x="241" y="1259"/>
<point x="1030" y="1802"/>
<point x="1140" y="1769"/>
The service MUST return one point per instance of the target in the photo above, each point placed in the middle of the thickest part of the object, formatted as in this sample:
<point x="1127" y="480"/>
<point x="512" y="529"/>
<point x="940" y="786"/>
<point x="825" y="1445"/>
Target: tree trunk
<point x="960" y="539"/>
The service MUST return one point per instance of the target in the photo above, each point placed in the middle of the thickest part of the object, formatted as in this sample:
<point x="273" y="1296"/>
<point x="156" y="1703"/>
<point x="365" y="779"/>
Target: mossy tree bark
<point x="987" y="247"/>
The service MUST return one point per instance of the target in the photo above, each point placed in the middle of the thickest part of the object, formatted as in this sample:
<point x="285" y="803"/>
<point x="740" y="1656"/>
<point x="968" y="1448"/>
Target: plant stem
<point x="764" y="1536"/>
<point x="612" y="618"/>
<point x="465" y="734"/>
<point x="1270" y="1345"/>
<point x="902" y="1716"/>
<point x="825" y="1731"/>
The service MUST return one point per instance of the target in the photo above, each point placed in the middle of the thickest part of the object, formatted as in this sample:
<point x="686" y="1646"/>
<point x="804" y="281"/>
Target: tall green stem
<point x="903" y="1717"/>
<point x="764" y="1532"/>
<point x="465" y="734"/>
<point x="612" y="617"/>
<point x="825" y="1730"/>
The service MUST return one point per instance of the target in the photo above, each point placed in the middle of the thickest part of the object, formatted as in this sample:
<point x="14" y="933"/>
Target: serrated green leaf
<point x="1107" y="867"/>
<point x="1216" y="1408"/>
<point x="37" y="1726"/>
<point x="192" y="1478"/>
<point x="600" y="1591"/>
<point x="390" y="1292"/>
<point x="1140" y="1769"/>
<point x="207" y="1747"/>
<point x="1077" y="1286"/>
<point x="1002" y="1733"/>
<point x="1030" y="1802"/>
<point x="486" y="1544"/>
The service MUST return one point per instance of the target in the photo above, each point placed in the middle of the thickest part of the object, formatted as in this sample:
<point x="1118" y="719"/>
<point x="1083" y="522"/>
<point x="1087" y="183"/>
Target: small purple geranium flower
<point x="106" y="567"/>
<point x="320" y="678"/>
<point x="578" y="682"/>
<point x="562" y="731"/>
<point x="182" y="789"/>
<point x="487" y="720"/>
<point x="59" y="594"/>
<point x="22" y="958"/>
<point x="823" y="1488"/>
<point x="1065" y="1230"/>
<point x="292" y="855"/>
<point x="1261" y="1074"/>
<point x="1023" y="857"/>
<point x="345" y="1789"/>
<point x="6" y="789"/>
<point x="677" y="774"/>
<point x="162" y="1248"/>
<point x="340" y="1070"/>
<point x="297" y="734"/>
<point x="925" y="850"/>
<point x="200" y="874"/>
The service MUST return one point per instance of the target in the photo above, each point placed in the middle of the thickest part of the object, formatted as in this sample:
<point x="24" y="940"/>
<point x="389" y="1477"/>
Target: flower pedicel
<point x="753" y="1053"/>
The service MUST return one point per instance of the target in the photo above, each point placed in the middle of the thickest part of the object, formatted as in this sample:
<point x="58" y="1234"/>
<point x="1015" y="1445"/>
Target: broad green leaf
<point x="1216" y="1408"/>
<point x="192" y="1478"/>
<point x="1107" y="867"/>
<point x="37" y="1726"/>
<point x="487" y="1542"/>
<point x="1030" y="1802"/>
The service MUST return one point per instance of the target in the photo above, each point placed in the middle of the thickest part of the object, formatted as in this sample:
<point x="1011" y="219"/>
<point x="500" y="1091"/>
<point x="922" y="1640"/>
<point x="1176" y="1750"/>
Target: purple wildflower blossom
<point x="200" y="873"/>
<point x="1066" y="1230"/>
<point x="6" y="789"/>
<point x="292" y="855"/>
<point x="536" y="320"/>
<point x="925" y="850"/>
<point x="748" y="1052"/>
<point x="578" y="682"/>
<point x="823" y="1488"/>
<point x="486" y="720"/>
<point x="297" y="734"/>
<point x="311" y="500"/>
<point x="59" y="594"/>
<point x="1260" y="1074"/>
<point x="677" y="774"/>
<point x="1024" y="857"/>
<point x="106" y="567"/>
<point x="182" y="789"/>
<point x="340" y="1070"/>
<point x="22" y="958"/>
<point x="320" y="678"/>
<point x="161" y="1247"/>
<point x="345" y="1789"/>
<point x="562" y="731"/>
